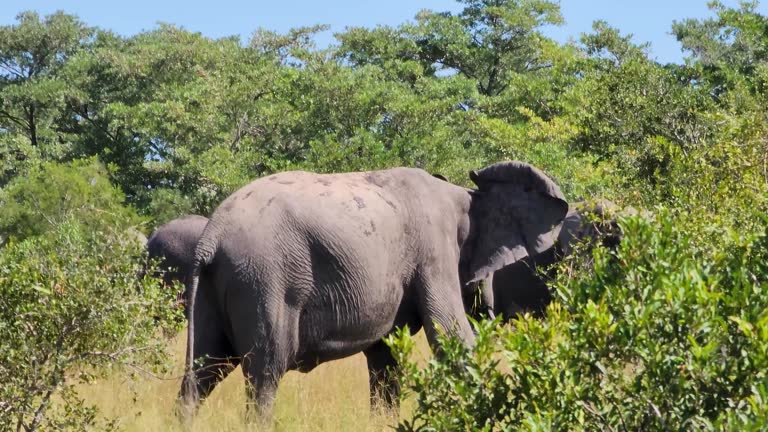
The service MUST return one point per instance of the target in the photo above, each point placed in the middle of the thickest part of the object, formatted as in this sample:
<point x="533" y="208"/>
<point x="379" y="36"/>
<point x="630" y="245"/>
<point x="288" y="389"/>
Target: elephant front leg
<point x="382" y="378"/>
<point x="441" y="309"/>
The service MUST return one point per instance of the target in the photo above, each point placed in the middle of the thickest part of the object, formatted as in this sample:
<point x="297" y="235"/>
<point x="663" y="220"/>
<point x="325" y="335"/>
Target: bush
<point x="666" y="333"/>
<point x="53" y="192"/>
<point x="70" y="303"/>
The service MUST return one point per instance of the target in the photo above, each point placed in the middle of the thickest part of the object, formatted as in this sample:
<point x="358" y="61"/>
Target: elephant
<point x="522" y="286"/>
<point x="174" y="244"/>
<point x="298" y="268"/>
<point x="478" y="302"/>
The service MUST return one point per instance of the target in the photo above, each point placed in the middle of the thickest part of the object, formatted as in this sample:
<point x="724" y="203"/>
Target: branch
<point x="597" y="414"/>
<point x="765" y="160"/>
<point x="5" y="65"/>
<point x="621" y="416"/>
<point x="84" y="114"/>
<point x="657" y="412"/>
<point x="239" y="131"/>
<point x="55" y="381"/>
<point x="40" y="410"/>
<point x="14" y="119"/>
<point x="115" y="356"/>
<point x="36" y="204"/>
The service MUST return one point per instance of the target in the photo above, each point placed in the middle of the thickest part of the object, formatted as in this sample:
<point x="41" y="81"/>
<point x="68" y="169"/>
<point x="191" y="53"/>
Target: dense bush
<point x="664" y="334"/>
<point x="70" y="304"/>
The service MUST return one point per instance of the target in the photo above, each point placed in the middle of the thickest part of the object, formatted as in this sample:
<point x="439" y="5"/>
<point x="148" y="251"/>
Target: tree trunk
<point x="32" y="125"/>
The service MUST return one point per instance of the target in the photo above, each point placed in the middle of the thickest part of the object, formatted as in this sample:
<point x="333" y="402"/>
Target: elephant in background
<point x="522" y="286"/>
<point x="174" y="244"/>
<point x="296" y="269"/>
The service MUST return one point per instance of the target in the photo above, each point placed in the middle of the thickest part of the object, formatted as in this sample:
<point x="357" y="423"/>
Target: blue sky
<point x="648" y="20"/>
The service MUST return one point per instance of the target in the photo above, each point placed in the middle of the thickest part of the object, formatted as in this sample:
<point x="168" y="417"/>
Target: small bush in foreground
<point x="71" y="303"/>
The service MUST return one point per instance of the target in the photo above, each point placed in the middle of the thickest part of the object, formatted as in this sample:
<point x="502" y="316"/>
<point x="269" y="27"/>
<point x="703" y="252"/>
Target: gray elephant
<point x="297" y="268"/>
<point x="174" y="244"/>
<point x="522" y="286"/>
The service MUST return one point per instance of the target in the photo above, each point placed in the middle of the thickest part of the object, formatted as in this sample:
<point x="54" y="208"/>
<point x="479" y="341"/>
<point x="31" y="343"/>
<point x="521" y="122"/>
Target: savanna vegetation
<point x="104" y="136"/>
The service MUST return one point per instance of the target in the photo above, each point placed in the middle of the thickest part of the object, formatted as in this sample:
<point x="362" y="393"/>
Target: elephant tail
<point x="204" y="253"/>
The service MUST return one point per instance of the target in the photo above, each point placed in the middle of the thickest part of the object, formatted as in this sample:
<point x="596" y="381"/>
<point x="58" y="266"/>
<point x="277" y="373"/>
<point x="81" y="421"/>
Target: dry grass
<point x="333" y="397"/>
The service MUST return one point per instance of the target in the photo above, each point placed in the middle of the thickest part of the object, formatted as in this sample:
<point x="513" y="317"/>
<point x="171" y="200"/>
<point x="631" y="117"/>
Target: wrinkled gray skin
<point x="174" y="245"/>
<point x="297" y="269"/>
<point x="478" y="302"/>
<point x="522" y="287"/>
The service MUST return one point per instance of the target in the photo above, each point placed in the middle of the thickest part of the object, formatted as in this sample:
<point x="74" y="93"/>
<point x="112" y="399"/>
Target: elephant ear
<point x="516" y="212"/>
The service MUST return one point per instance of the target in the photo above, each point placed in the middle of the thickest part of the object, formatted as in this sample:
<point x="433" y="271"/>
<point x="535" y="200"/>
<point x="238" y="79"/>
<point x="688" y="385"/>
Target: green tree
<point x="731" y="46"/>
<point x="489" y="41"/>
<point x="633" y="110"/>
<point x="32" y="95"/>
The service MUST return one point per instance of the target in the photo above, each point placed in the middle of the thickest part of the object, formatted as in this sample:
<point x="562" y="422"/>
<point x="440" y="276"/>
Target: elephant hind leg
<point x="382" y="377"/>
<point x="267" y="341"/>
<point x="262" y="378"/>
<point x="214" y="368"/>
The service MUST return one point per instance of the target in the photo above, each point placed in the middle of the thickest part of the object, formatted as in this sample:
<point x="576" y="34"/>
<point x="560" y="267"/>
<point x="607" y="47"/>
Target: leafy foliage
<point x="664" y="334"/>
<point x="71" y="304"/>
<point x="53" y="193"/>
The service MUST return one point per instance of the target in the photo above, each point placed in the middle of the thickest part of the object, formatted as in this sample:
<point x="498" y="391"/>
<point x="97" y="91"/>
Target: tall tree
<point x="31" y="54"/>
<point x="488" y="41"/>
<point x="728" y="48"/>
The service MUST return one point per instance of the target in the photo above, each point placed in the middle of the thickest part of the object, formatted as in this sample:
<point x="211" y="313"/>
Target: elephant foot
<point x="185" y="411"/>
<point x="258" y="416"/>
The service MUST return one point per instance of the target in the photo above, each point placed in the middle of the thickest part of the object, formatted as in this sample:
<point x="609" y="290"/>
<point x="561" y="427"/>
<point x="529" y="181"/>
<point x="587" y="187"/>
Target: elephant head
<point x="589" y="222"/>
<point x="522" y="286"/>
<point x="533" y="218"/>
<point x="516" y="212"/>
<point x="173" y="245"/>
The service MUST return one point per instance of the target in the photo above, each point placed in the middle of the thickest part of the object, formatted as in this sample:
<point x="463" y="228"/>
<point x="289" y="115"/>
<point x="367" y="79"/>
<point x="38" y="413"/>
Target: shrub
<point x="666" y="333"/>
<point x="70" y="304"/>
